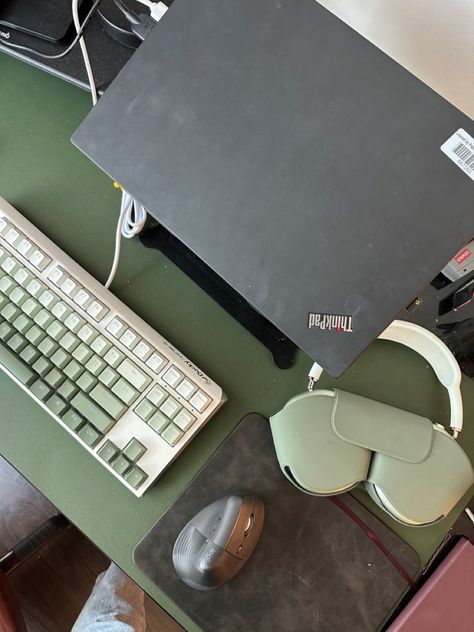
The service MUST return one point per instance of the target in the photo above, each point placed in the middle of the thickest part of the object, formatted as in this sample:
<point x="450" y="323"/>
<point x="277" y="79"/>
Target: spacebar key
<point x="19" y="369"/>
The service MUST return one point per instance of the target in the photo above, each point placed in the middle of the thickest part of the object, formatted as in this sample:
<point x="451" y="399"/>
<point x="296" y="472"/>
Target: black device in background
<point x="116" y="24"/>
<point x="49" y="20"/>
<point x="47" y="26"/>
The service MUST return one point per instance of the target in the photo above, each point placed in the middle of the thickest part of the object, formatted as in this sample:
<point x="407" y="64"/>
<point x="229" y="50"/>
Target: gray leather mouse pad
<point x="314" y="568"/>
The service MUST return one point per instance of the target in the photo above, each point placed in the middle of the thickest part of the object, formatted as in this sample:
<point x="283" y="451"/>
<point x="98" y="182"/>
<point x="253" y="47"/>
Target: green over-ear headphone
<point x="329" y="441"/>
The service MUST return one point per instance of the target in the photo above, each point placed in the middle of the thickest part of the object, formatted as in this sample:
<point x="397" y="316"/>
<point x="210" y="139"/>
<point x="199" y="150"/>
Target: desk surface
<point x="75" y="204"/>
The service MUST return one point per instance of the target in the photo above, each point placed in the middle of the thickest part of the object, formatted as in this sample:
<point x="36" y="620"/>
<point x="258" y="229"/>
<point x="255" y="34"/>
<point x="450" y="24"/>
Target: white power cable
<point x="132" y="216"/>
<point x="157" y="9"/>
<point x="131" y="221"/>
<point x="85" y="54"/>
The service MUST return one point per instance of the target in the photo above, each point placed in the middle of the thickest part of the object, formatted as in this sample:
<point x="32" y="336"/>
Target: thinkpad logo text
<point x="330" y="322"/>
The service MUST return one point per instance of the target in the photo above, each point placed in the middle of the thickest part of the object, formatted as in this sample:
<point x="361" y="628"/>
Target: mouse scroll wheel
<point x="249" y="525"/>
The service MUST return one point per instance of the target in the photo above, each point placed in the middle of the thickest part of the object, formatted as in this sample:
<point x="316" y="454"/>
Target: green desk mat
<point x="71" y="201"/>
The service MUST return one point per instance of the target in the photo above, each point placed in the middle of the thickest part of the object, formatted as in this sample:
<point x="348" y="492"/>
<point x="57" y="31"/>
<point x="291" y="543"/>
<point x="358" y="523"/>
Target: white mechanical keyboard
<point x="120" y="389"/>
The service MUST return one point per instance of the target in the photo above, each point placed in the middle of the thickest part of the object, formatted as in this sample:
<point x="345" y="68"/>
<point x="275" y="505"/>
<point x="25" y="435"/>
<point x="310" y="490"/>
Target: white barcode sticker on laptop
<point x="460" y="148"/>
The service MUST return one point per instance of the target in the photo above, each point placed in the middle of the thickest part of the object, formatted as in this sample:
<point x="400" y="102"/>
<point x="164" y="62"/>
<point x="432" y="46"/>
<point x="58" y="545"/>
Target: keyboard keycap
<point x="145" y="409"/>
<point x="89" y="435"/>
<point x="95" y="365"/>
<point x="134" y="450"/>
<point x="47" y="299"/>
<point x="56" y="275"/>
<point x="136" y="477"/>
<point x="116" y="327"/>
<point x="86" y="382"/>
<point x="11" y="236"/>
<point x="92" y="412"/>
<point x="170" y="407"/>
<point x="56" y="405"/>
<point x="41" y="390"/>
<point x="31" y="307"/>
<point x="61" y="311"/>
<point x="108" y="451"/>
<point x="82" y="298"/>
<point x="129" y="338"/>
<point x="43" y="318"/>
<point x="156" y="362"/>
<point x="56" y="330"/>
<point x="108" y="377"/>
<point x="184" y="420"/>
<point x="17" y="367"/>
<point x="72" y="420"/>
<point x="158" y="422"/>
<point x="74" y="322"/>
<point x="172" y="434"/>
<point x="121" y="464"/>
<point x="142" y="350"/>
<point x="6" y="330"/>
<point x="18" y="296"/>
<point x="35" y="287"/>
<point x="30" y="354"/>
<point x="97" y="310"/>
<point x="60" y="358"/>
<point x="114" y="357"/>
<point x="137" y="378"/>
<point x="10" y="312"/>
<point x="69" y="342"/>
<point x="173" y="376"/>
<point x="24" y="246"/>
<point x="82" y="353"/>
<point x="111" y="404"/>
<point x="39" y="259"/>
<point x="200" y="401"/>
<point x="6" y="285"/>
<point x="73" y="370"/>
<point x="54" y="378"/>
<point x="22" y="323"/>
<point x="17" y="343"/>
<point x="87" y="333"/>
<point x="42" y="366"/>
<point x="100" y="345"/>
<point x="69" y="287"/>
<point x="10" y="265"/>
<point x="67" y="390"/>
<point x="125" y="391"/>
<point x="35" y="335"/>
<point x="22" y="277"/>
<point x="157" y="395"/>
<point x="48" y="347"/>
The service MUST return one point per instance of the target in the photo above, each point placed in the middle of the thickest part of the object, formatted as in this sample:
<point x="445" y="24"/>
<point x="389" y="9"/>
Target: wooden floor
<point x="52" y="587"/>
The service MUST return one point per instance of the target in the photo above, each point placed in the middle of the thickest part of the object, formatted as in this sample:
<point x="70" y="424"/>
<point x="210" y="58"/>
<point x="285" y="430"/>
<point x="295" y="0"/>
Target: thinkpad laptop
<point x="318" y="177"/>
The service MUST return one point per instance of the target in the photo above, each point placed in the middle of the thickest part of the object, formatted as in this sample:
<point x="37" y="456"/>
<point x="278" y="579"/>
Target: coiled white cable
<point x="131" y="221"/>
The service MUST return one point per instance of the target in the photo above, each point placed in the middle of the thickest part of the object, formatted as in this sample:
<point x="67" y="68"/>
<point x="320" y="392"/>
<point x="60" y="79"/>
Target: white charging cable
<point x="131" y="221"/>
<point x="157" y="9"/>
<point x="132" y="216"/>
<point x="85" y="54"/>
<point x="314" y="374"/>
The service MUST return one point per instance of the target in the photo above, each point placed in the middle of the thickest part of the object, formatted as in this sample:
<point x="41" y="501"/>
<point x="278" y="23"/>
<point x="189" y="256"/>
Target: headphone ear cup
<point x="421" y="493"/>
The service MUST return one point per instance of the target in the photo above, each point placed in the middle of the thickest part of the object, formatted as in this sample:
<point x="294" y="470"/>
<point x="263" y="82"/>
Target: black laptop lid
<point x="295" y="158"/>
